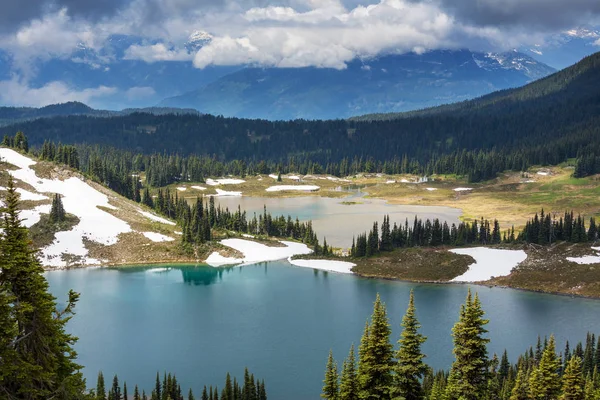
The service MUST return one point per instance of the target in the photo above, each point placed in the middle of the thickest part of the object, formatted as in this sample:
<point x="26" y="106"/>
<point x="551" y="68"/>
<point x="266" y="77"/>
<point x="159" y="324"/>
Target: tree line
<point x="384" y="373"/>
<point x="169" y="389"/>
<point x="544" y="228"/>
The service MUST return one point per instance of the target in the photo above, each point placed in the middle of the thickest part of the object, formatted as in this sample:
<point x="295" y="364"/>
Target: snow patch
<point x="157" y="237"/>
<point x="198" y="188"/>
<point x="543" y="173"/>
<point x="224" y="193"/>
<point x="462" y="189"/>
<point x="27" y="195"/>
<point x="32" y="217"/>
<point x="256" y="252"/>
<point x="156" y="218"/>
<point x="342" y="267"/>
<point x="431" y="189"/>
<point x="303" y="188"/>
<point x="94" y="224"/>
<point x="182" y="188"/>
<point x="489" y="263"/>
<point x="388" y="182"/>
<point x="273" y="176"/>
<point x="224" y="181"/>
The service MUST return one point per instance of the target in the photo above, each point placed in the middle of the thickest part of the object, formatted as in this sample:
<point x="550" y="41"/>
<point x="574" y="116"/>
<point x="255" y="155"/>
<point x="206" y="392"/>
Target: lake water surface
<point x="278" y="320"/>
<point x="337" y="221"/>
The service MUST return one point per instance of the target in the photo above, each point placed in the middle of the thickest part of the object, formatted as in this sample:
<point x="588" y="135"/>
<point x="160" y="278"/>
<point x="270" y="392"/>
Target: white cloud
<point x="156" y="52"/>
<point x="139" y="93"/>
<point x="597" y="42"/>
<point x="15" y="92"/>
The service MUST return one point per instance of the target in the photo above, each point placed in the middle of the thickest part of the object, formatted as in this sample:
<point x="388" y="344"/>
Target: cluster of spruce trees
<point x="541" y="229"/>
<point x="545" y="229"/>
<point x="170" y="389"/>
<point x="64" y="154"/>
<point x="57" y="210"/>
<point x="384" y="373"/>
<point x="425" y="234"/>
<point x="19" y="141"/>
<point x="197" y="220"/>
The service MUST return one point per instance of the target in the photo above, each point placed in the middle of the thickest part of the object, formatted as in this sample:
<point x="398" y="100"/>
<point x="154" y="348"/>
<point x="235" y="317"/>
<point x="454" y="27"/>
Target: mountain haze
<point x="390" y="83"/>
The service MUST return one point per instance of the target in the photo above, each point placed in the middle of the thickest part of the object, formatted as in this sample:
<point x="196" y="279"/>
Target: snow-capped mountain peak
<point x="197" y="40"/>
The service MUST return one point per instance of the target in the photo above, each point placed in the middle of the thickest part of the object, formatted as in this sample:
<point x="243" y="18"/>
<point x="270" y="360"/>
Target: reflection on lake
<point x="280" y="321"/>
<point x="336" y="221"/>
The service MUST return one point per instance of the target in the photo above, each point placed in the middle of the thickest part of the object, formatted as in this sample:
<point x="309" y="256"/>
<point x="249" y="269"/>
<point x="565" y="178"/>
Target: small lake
<point x="278" y="320"/>
<point x="337" y="221"/>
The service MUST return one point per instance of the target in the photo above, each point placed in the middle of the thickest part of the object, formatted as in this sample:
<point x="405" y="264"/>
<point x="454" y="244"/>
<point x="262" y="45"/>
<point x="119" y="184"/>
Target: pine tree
<point x="520" y="390"/>
<point x="468" y="375"/>
<point x="376" y="353"/>
<point x="38" y="360"/>
<point x="100" y="388"/>
<point x="573" y="382"/>
<point x="544" y="382"/>
<point x="410" y="367"/>
<point x="348" y="381"/>
<point x="330" y="383"/>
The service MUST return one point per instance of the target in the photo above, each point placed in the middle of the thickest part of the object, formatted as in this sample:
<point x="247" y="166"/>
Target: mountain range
<point x="388" y="83"/>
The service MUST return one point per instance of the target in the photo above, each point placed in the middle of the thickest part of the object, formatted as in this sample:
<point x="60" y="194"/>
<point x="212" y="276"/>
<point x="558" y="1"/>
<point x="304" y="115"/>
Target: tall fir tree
<point x="348" y="381"/>
<point x="573" y="383"/>
<point x="375" y="377"/>
<point x="410" y="367"/>
<point x="331" y="382"/>
<point x="38" y="360"/>
<point x="469" y="372"/>
<point x="544" y="381"/>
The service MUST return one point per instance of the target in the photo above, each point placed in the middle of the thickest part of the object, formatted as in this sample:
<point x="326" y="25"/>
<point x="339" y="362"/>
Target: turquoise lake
<point x="278" y="320"/>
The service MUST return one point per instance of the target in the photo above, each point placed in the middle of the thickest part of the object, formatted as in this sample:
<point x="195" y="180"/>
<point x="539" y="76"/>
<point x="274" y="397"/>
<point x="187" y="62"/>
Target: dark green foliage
<point x="410" y="367"/>
<point x="331" y="390"/>
<point x="469" y="373"/>
<point x="57" y="210"/>
<point x="38" y="360"/>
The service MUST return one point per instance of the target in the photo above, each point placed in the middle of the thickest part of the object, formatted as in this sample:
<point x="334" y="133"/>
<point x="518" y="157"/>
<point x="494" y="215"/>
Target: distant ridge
<point x="10" y="115"/>
<point x="577" y="81"/>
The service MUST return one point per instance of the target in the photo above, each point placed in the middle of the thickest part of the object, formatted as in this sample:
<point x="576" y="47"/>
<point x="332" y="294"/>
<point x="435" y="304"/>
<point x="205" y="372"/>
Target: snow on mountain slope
<point x="101" y="226"/>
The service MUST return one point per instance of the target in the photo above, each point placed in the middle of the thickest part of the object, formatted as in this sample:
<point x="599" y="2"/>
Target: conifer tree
<point x="100" y="388"/>
<point x="520" y="390"/>
<point x="544" y="382"/>
<point x="38" y="360"/>
<point x="348" y="381"/>
<point x="573" y="382"/>
<point x="376" y="353"/>
<point x="410" y="367"/>
<point x="330" y="383"/>
<point x="468" y="375"/>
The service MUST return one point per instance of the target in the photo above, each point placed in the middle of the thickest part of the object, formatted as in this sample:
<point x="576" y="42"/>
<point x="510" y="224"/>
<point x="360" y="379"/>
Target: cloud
<point x="139" y="93"/>
<point x="282" y="33"/>
<point x="156" y="52"/>
<point x="15" y="92"/>
<point x="545" y="15"/>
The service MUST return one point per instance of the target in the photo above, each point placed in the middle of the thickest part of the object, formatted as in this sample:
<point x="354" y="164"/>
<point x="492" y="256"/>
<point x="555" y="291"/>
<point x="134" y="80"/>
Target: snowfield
<point x="431" y="189"/>
<point x="32" y="217"/>
<point x="256" y="252"/>
<point x="156" y="218"/>
<point x="182" y="188"/>
<point x="27" y="195"/>
<point x="94" y="224"/>
<point x="198" y="188"/>
<point x="342" y="267"/>
<point x="304" y="188"/>
<point x="157" y="237"/>
<point x="489" y="263"/>
<point x="225" y="193"/>
<point x="224" y="181"/>
<point x="462" y="189"/>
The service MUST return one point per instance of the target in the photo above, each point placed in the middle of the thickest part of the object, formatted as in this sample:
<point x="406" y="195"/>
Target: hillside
<point x="103" y="228"/>
<point x="11" y="115"/>
<point x="545" y="122"/>
<point x="577" y="83"/>
<point x="389" y="83"/>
